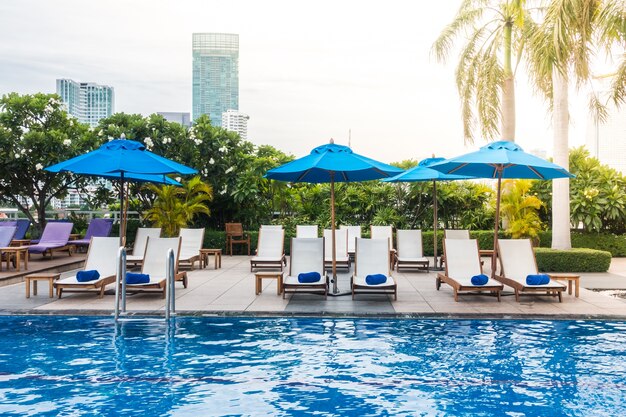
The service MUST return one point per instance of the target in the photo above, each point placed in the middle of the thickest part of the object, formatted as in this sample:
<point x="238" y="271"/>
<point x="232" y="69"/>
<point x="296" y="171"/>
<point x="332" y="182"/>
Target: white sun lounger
<point x="307" y="255"/>
<point x="155" y="264"/>
<point x="385" y="232"/>
<point x="341" y="249"/>
<point x="372" y="257"/>
<point x="101" y="256"/>
<point x="453" y="234"/>
<point x="517" y="261"/>
<point x="192" y="240"/>
<point x="410" y="252"/>
<point x="306" y="231"/>
<point x="353" y="233"/>
<point x="139" y="247"/>
<point x="270" y="250"/>
<point x="462" y="263"/>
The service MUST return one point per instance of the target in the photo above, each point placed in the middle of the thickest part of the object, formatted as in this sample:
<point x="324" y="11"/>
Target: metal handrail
<point x="170" y="307"/>
<point x="120" y="278"/>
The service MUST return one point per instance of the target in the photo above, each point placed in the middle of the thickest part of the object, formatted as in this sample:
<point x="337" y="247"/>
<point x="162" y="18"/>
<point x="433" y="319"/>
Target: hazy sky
<point x="308" y="70"/>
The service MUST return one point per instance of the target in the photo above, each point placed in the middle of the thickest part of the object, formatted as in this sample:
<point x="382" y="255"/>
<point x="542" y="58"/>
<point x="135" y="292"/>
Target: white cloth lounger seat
<point x="270" y="249"/>
<point x="190" y="245"/>
<point x="517" y="261"/>
<point x="155" y="264"/>
<point x="353" y="233"/>
<point x="139" y="247"/>
<point x="307" y="255"/>
<point x="372" y="257"/>
<point x="385" y="232"/>
<point x="306" y="231"/>
<point x="101" y="257"/>
<point x="341" y="248"/>
<point x="462" y="263"/>
<point x="453" y="234"/>
<point x="410" y="253"/>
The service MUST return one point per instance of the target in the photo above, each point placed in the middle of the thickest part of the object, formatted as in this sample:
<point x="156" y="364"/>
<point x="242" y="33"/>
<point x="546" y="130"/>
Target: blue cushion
<point x="375" y="279"/>
<point x="133" y="278"/>
<point x="306" y="277"/>
<point x="85" y="276"/>
<point x="537" y="279"/>
<point x="480" y="279"/>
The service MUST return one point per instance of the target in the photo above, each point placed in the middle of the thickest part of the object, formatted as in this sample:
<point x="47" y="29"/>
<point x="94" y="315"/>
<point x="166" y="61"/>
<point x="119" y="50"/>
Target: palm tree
<point x="520" y="210"/>
<point x="565" y="44"/>
<point x="484" y="80"/>
<point x="175" y="207"/>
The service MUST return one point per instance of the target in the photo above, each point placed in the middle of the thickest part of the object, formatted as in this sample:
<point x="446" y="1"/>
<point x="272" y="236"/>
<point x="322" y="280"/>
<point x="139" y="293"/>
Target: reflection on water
<point x="87" y="366"/>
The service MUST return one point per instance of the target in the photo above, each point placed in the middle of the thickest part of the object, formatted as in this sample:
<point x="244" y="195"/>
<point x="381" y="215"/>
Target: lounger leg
<point x="60" y="291"/>
<point x="560" y="296"/>
<point x="517" y="295"/>
<point x="456" y="295"/>
<point x="438" y="283"/>
<point x="101" y="291"/>
<point x="498" y="294"/>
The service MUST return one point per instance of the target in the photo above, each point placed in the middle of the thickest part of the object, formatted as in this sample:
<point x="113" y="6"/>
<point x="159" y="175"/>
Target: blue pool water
<point x="86" y="366"/>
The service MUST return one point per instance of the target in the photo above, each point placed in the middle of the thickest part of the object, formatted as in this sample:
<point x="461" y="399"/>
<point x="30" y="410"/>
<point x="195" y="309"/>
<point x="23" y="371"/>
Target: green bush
<point x="616" y="244"/>
<point x="574" y="260"/>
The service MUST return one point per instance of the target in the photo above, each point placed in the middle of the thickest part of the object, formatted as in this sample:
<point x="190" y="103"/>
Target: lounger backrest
<point x="306" y="231"/>
<point x="341" y="243"/>
<point x="409" y="243"/>
<point x="456" y="234"/>
<point x="462" y="258"/>
<point x="99" y="227"/>
<point x="272" y="226"/>
<point x="307" y="255"/>
<point x="271" y="242"/>
<point x="139" y="247"/>
<point x="371" y="257"/>
<point x="57" y="233"/>
<point x="6" y="235"/>
<point x="22" y="228"/>
<point x="155" y="257"/>
<point x="353" y="233"/>
<point x="516" y="258"/>
<point x="382" y="232"/>
<point x="191" y="244"/>
<point x="102" y="255"/>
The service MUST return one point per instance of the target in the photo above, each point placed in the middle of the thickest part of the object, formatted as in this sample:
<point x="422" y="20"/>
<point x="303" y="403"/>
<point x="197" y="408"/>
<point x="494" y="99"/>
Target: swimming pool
<point x="86" y="366"/>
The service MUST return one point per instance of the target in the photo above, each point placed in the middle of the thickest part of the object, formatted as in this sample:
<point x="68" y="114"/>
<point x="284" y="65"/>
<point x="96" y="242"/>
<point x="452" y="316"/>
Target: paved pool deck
<point x="230" y="290"/>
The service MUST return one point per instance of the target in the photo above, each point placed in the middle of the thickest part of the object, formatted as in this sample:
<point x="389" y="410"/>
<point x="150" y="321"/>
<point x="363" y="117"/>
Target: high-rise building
<point x="177" y="117"/>
<point x="88" y="102"/>
<point x="215" y="75"/>
<point x="236" y="122"/>
<point x="606" y="140"/>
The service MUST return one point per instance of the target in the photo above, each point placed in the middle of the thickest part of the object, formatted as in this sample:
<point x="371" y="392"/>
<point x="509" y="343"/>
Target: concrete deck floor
<point x="230" y="290"/>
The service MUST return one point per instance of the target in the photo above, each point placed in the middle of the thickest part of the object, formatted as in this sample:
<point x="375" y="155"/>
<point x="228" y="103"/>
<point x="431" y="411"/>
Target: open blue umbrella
<point x="332" y="163"/>
<point x="125" y="160"/>
<point x="501" y="159"/>
<point x="421" y="173"/>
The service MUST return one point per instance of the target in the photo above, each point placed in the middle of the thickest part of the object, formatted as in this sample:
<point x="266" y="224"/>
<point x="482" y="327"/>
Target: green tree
<point x="520" y="209"/>
<point x="35" y="132"/>
<point x="485" y="72"/>
<point x="175" y="207"/>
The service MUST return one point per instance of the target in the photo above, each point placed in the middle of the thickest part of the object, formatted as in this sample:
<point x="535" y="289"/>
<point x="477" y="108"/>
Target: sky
<point x="308" y="70"/>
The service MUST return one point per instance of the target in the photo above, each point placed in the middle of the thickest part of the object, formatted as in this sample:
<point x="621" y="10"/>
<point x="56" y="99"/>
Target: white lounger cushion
<point x="463" y="262"/>
<point x="410" y="246"/>
<point x="372" y="257"/>
<point x="139" y="247"/>
<point x="518" y="261"/>
<point x="353" y="232"/>
<point x="270" y="245"/>
<point x="306" y="231"/>
<point x="102" y="257"/>
<point x="191" y="243"/>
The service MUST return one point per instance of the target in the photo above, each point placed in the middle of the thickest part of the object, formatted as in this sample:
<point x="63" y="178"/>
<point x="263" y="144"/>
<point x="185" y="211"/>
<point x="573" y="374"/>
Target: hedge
<point x="616" y="244"/>
<point x="574" y="260"/>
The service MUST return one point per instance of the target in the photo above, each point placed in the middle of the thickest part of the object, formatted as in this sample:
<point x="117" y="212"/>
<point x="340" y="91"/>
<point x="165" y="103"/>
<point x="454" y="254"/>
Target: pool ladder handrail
<point x="120" y="281"/>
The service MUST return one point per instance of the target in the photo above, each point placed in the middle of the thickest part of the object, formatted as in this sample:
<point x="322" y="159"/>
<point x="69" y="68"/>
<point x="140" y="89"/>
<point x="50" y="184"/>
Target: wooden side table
<point x="259" y="276"/>
<point x="204" y="257"/>
<point x="569" y="278"/>
<point x="51" y="277"/>
<point x="16" y="252"/>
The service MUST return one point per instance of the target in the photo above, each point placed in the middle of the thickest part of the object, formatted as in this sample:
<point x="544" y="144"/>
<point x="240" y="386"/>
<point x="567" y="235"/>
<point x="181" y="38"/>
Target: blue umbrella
<point x="332" y="163"/>
<point x="501" y="159"/>
<point x="125" y="160"/>
<point x="422" y="172"/>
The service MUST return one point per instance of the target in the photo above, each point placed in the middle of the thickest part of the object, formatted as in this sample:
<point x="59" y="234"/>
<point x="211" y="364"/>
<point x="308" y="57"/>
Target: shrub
<point x="616" y="244"/>
<point x="574" y="260"/>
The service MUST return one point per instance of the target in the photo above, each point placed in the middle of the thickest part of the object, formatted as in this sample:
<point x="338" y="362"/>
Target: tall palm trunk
<point x="561" y="238"/>
<point x="508" y="88"/>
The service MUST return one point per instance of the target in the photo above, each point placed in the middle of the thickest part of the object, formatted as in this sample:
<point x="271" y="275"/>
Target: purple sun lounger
<point x="97" y="228"/>
<point x="54" y="238"/>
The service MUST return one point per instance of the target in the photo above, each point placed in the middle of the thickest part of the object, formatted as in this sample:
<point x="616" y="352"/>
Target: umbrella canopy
<point x="124" y="160"/>
<point x="420" y="173"/>
<point x="501" y="159"/>
<point x="332" y="163"/>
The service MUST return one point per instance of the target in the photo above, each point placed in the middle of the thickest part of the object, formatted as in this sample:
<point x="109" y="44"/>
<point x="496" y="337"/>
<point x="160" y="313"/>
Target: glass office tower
<point x="88" y="102"/>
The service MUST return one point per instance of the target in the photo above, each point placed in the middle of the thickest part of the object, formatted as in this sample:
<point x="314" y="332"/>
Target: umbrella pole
<point x="122" y="233"/>
<point x="435" y="224"/>
<point x="494" y="256"/>
<point x="332" y="227"/>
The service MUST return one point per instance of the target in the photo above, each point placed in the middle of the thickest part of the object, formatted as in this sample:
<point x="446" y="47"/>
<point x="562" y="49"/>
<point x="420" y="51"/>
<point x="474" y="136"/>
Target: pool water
<point x="87" y="366"/>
